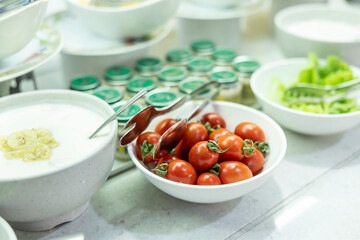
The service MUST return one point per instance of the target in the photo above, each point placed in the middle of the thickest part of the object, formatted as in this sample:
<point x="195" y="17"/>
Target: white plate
<point x="191" y="10"/>
<point x="46" y="44"/>
<point x="6" y="232"/>
<point x="78" y="40"/>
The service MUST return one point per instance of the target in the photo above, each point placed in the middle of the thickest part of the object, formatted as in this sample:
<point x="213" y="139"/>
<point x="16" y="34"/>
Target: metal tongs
<point x="141" y="121"/>
<point x="7" y="5"/>
<point x="320" y="93"/>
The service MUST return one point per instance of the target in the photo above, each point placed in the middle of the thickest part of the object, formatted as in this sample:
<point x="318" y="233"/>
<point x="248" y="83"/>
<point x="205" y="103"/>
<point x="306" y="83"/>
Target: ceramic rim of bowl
<point x="6" y="226"/>
<point x="284" y="62"/>
<point x="281" y="155"/>
<point x="85" y="96"/>
<point x="90" y="7"/>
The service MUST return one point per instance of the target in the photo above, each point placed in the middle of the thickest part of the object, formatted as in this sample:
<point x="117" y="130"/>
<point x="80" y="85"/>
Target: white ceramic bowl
<point x="6" y="232"/>
<point x="125" y="22"/>
<point x="18" y="26"/>
<point x="42" y="201"/>
<point x="233" y="114"/>
<point x="296" y="44"/>
<point x="287" y="71"/>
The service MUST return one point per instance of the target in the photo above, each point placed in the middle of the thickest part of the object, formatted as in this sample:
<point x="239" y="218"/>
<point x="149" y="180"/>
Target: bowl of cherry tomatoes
<point x="227" y="151"/>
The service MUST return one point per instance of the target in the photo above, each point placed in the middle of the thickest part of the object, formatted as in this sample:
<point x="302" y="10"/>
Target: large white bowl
<point x="233" y="114"/>
<point x="18" y="26"/>
<point x="6" y="232"/>
<point x="297" y="45"/>
<point x="287" y="71"/>
<point x="125" y="22"/>
<point x="43" y="201"/>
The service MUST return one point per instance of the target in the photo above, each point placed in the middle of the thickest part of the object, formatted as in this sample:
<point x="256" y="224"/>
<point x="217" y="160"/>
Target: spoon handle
<point x="120" y="110"/>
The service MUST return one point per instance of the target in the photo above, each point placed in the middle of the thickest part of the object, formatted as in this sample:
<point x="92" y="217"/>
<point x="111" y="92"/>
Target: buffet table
<point x="313" y="194"/>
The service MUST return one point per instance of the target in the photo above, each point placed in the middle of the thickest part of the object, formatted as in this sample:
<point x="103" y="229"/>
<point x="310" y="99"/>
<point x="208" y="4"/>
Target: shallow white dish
<point x="19" y="26"/>
<point x="287" y="71"/>
<point x="6" y="232"/>
<point x="133" y="21"/>
<point x="295" y="42"/>
<point x="43" y="199"/>
<point x="86" y="53"/>
<point x="223" y="4"/>
<point x="233" y="114"/>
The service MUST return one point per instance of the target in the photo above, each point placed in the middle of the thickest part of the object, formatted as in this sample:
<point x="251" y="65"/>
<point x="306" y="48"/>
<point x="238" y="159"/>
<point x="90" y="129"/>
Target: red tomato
<point x="166" y="159"/>
<point x="195" y="132"/>
<point x="182" y="172"/>
<point x="144" y="150"/>
<point x="214" y="119"/>
<point x="234" y="144"/>
<point x="201" y="157"/>
<point x="248" y="130"/>
<point x="255" y="162"/>
<point x="208" y="178"/>
<point x="219" y="132"/>
<point x="232" y="171"/>
<point x="164" y="125"/>
<point x="180" y="153"/>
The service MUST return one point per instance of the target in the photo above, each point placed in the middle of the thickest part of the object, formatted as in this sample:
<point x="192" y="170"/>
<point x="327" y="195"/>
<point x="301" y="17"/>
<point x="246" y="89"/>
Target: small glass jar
<point x="148" y="67"/>
<point x="122" y="152"/>
<point x="223" y="57"/>
<point x="161" y="97"/>
<point x="245" y="67"/>
<point x="171" y="77"/>
<point x="109" y="95"/>
<point x="117" y="77"/>
<point x="200" y="67"/>
<point x="230" y="85"/>
<point x="179" y="57"/>
<point x="192" y="83"/>
<point x="85" y="84"/>
<point x="135" y="85"/>
<point x="203" y="47"/>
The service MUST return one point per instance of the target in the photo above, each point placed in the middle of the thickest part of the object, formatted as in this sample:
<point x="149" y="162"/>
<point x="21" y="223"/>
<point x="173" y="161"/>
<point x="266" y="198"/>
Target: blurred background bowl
<point x="233" y="114"/>
<point x="19" y="26"/>
<point x="6" y="231"/>
<point x="334" y="41"/>
<point x="287" y="71"/>
<point x="128" y="22"/>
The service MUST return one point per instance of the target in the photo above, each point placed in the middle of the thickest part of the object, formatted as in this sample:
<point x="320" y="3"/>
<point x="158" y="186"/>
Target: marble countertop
<point x="313" y="193"/>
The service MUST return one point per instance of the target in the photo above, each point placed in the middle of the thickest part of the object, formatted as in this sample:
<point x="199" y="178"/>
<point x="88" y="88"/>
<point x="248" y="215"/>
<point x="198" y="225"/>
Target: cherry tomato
<point x="182" y="172"/>
<point x="164" y="125"/>
<point x="144" y="150"/>
<point x="248" y="130"/>
<point x="234" y="145"/>
<point x="255" y="162"/>
<point x="219" y="132"/>
<point x="201" y="157"/>
<point x="208" y="178"/>
<point x="180" y="153"/>
<point x="160" y="170"/>
<point x="195" y="132"/>
<point x="214" y="119"/>
<point x="233" y="171"/>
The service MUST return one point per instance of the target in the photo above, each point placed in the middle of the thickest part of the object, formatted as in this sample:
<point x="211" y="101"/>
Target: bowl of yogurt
<point x="321" y="29"/>
<point x="49" y="167"/>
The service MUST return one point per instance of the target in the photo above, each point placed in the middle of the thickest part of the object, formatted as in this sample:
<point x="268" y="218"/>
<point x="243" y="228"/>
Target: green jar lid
<point x="172" y="74"/>
<point x="178" y="55"/>
<point x="192" y="84"/>
<point x="200" y="65"/>
<point x="148" y="65"/>
<point x="84" y="83"/>
<point x="128" y="113"/>
<point x="246" y="66"/>
<point x="109" y="95"/>
<point x="137" y="84"/>
<point x="203" y="46"/>
<point x="117" y="75"/>
<point x="160" y="97"/>
<point x="224" y="77"/>
<point x="224" y="56"/>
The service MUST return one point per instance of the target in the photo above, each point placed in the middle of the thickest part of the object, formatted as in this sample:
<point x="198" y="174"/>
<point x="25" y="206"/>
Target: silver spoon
<point x="120" y="110"/>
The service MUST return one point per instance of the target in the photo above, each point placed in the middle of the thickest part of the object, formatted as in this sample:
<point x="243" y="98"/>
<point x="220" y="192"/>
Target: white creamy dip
<point x="71" y="126"/>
